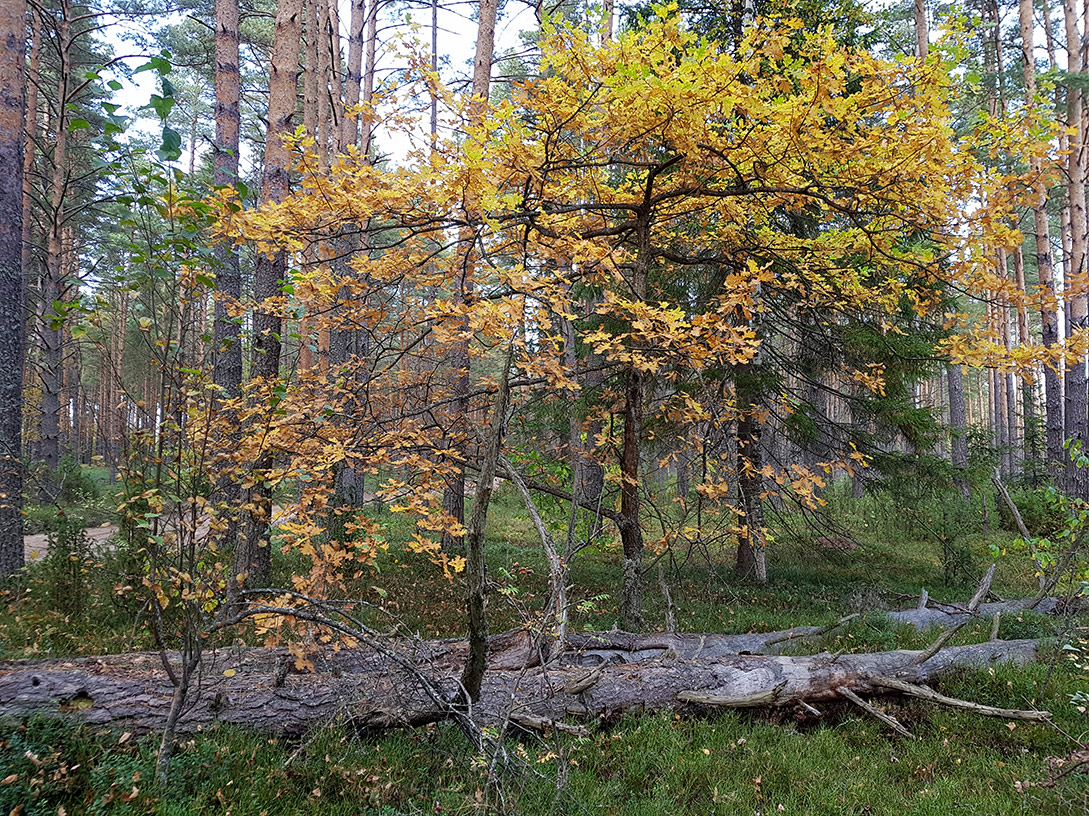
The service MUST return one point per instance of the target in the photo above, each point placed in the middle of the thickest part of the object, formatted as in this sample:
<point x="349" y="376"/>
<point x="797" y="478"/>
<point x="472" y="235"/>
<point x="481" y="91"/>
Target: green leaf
<point x="114" y="85"/>
<point x="161" y="105"/>
<point x="171" y="148"/>
<point x="79" y="124"/>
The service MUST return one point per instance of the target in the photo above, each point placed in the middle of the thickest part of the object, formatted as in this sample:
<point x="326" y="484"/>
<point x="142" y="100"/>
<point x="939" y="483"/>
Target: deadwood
<point x="262" y="690"/>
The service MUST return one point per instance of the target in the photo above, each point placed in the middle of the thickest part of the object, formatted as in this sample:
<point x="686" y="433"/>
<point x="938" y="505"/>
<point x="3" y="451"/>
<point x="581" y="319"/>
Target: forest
<point x="417" y="406"/>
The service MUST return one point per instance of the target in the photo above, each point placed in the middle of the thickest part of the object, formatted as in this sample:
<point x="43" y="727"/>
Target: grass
<point x="735" y="763"/>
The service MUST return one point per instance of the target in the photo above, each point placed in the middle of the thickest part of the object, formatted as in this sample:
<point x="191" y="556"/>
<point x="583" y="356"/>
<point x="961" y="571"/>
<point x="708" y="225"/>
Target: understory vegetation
<point x="782" y="761"/>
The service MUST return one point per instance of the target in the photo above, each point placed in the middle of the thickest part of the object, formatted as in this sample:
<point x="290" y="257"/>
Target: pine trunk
<point x="270" y="271"/>
<point x="12" y="319"/>
<point x="1048" y="311"/>
<point x="1076" y="407"/>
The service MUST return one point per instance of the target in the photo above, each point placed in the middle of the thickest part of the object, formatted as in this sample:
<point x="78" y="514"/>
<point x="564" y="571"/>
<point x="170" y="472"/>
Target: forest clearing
<point x="418" y="407"/>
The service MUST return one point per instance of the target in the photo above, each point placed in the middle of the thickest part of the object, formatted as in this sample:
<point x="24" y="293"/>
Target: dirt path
<point x="35" y="546"/>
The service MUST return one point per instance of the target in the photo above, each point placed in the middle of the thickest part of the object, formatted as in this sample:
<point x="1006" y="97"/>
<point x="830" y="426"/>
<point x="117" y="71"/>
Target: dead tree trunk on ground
<point x="359" y="686"/>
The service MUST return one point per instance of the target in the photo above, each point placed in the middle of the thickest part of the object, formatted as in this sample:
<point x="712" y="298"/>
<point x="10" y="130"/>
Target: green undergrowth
<point x="809" y="584"/>
<point x="734" y="763"/>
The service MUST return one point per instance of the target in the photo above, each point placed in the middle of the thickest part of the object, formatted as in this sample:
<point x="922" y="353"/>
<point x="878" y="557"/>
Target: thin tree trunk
<point x="32" y="78"/>
<point x="325" y="70"/>
<point x="958" y="445"/>
<point x="1028" y="402"/>
<point x="1076" y="397"/>
<point x="51" y="363"/>
<point x="454" y="492"/>
<point x="336" y="78"/>
<point x="354" y="73"/>
<point x="13" y="26"/>
<point x="369" y="66"/>
<point x="310" y="71"/>
<point x="476" y="569"/>
<point x="1048" y="314"/>
<point x="630" y="522"/>
<point x="434" y="124"/>
<point x="751" y="543"/>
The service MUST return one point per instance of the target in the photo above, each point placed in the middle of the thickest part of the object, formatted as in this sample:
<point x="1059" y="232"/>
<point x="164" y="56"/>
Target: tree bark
<point x="369" y="65"/>
<point x="13" y="27"/>
<point x="630" y="523"/>
<point x="270" y="271"/>
<point x="54" y="265"/>
<point x="33" y="73"/>
<point x="1076" y="405"/>
<point x="686" y="673"/>
<point x="453" y="500"/>
<point x="1048" y="313"/>
<point x="1028" y="402"/>
<point x="958" y="426"/>
<point x="922" y="34"/>
<point x="631" y="530"/>
<point x="476" y="568"/>
<point x="354" y="73"/>
<point x="227" y="354"/>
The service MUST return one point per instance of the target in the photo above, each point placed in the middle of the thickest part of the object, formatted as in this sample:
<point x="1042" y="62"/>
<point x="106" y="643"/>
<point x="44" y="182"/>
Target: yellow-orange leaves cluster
<point x="658" y="194"/>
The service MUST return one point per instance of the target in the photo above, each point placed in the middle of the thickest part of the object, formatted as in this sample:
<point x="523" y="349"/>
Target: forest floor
<point x="734" y="763"/>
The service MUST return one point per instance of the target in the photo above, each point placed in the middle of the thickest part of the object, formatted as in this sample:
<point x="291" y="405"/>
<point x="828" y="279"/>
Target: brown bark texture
<point x="1048" y="313"/>
<point x="12" y="323"/>
<point x="269" y="272"/>
<point x="227" y="360"/>
<point x="606" y="674"/>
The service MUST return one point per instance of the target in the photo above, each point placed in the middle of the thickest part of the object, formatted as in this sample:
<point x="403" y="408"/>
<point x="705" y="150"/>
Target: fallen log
<point x="260" y="689"/>
<point x="942" y="614"/>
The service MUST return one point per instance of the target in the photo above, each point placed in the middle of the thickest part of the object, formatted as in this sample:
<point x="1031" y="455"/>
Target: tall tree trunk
<point x="32" y="76"/>
<point x="922" y="34"/>
<point x="958" y="426"/>
<point x="369" y="65"/>
<point x="1028" y="401"/>
<point x="453" y="499"/>
<point x="311" y="73"/>
<point x="1076" y="404"/>
<point x="325" y="75"/>
<point x="631" y="530"/>
<point x="336" y="78"/>
<point x="434" y="125"/>
<point x="630" y="523"/>
<point x="51" y="362"/>
<point x="227" y="353"/>
<point x="227" y="337"/>
<point x="270" y="271"/>
<point x="1048" y="313"/>
<point x="353" y="74"/>
<point x="13" y="27"/>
